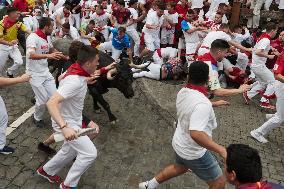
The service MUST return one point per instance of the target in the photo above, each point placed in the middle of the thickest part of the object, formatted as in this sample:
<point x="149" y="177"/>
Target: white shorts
<point x="151" y="43"/>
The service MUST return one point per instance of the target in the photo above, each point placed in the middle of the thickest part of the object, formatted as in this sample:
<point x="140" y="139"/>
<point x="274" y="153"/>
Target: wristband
<point x="65" y="125"/>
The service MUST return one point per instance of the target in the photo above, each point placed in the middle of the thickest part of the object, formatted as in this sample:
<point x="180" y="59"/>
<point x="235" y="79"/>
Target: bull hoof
<point x="114" y="122"/>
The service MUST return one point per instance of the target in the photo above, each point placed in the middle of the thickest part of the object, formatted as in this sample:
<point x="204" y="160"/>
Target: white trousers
<point x="253" y="22"/>
<point x="135" y="37"/>
<point x="77" y="20"/>
<point x="265" y="78"/>
<point x="3" y="123"/>
<point x="154" y="73"/>
<point x="105" y="33"/>
<point x="152" y="43"/>
<point x="44" y="88"/>
<point x="85" y="152"/>
<point x="14" y="53"/>
<point x="107" y="46"/>
<point x="278" y="117"/>
<point x="190" y="51"/>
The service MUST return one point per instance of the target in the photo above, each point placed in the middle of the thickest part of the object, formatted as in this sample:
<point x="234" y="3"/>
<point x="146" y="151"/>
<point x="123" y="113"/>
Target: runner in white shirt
<point x="42" y="82"/>
<point x="61" y="16"/>
<point x="168" y="27"/>
<point x="69" y="32"/>
<point x="101" y="19"/>
<point x="222" y="33"/>
<point x="192" y="39"/>
<point x="131" y="26"/>
<point x="32" y="21"/>
<point x="55" y="5"/>
<point x="65" y="108"/>
<point x="151" y="30"/>
<point x="214" y="7"/>
<point x="265" y="78"/>
<point x="192" y="141"/>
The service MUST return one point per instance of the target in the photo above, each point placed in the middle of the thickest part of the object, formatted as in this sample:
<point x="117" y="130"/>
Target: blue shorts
<point x="206" y="167"/>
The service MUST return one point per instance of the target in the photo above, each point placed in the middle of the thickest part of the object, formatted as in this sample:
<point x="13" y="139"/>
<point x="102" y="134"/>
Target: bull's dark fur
<point x="122" y="79"/>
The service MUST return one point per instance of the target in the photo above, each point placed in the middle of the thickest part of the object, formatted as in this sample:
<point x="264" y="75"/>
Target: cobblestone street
<point x="136" y="147"/>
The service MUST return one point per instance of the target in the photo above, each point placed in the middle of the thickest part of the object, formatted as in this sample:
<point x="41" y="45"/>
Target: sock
<point x="153" y="183"/>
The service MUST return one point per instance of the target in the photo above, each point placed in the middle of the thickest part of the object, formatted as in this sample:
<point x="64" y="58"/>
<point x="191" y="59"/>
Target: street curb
<point x="160" y="109"/>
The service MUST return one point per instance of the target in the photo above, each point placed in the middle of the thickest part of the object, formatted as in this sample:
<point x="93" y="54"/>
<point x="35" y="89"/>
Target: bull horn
<point x="138" y="66"/>
<point x="110" y="72"/>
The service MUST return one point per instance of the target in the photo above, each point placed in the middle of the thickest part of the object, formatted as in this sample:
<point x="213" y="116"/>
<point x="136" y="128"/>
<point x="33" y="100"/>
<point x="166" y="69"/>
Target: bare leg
<point x="169" y="172"/>
<point x="219" y="183"/>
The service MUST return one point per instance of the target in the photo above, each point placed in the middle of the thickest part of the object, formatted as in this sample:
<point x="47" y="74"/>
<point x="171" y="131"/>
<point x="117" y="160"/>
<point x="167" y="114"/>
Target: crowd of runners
<point x="188" y="40"/>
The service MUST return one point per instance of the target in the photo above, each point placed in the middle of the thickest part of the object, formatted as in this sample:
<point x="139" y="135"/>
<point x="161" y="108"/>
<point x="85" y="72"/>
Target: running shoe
<point x="51" y="179"/>
<point x="144" y="185"/>
<point x="258" y="136"/>
<point x="267" y="105"/>
<point x="7" y="150"/>
<point x="62" y="186"/>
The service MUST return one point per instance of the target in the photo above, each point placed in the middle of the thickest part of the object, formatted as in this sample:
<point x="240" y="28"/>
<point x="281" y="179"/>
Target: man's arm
<point x="261" y="53"/>
<point x="229" y="92"/>
<point x="279" y="77"/>
<point x="198" y="122"/>
<point x="205" y="141"/>
<point x="31" y="53"/>
<point x="239" y="46"/>
<point x="54" y="111"/>
<point x="11" y="81"/>
<point x="4" y="42"/>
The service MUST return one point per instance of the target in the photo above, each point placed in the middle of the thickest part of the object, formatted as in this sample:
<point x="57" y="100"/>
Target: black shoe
<point x="7" y="150"/>
<point x="46" y="149"/>
<point x="39" y="124"/>
<point x="10" y="75"/>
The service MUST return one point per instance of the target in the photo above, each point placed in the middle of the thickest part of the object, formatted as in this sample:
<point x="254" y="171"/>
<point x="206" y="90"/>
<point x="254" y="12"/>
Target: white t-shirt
<point x="195" y="113"/>
<point x="263" y="44"/>
<point x="212" y="36"/>
<point x="31" y="22"/>
<point x="52" y="8"/>
<point x="37" y="67"/>
<point x="172" y="17"/>
<point x="214" y="7"/>
<point x="100" y="20"/>
<point x="153" y="19"/>
<point x="73" y="89"/>
<point x="134" y="16"/>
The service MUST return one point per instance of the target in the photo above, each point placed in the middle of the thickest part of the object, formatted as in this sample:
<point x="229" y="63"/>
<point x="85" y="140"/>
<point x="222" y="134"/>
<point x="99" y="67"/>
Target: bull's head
<point x="122" y="78"/>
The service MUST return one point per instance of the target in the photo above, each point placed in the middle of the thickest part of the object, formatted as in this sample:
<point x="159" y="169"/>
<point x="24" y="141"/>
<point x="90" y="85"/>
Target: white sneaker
<point x="268" y="116"/>
<point x="259" y="137"/>
<point x="144" y="185"/>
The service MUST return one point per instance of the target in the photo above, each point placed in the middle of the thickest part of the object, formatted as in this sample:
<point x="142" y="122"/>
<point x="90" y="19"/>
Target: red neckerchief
<point x="159" y="53"/>
<point x="201" y="89"/>
<point x="208" y="57"/>
<point x="103" y="12"/>
<point x="76" y="69"/>
<point x="257" y="185"/>
<point x="66" y="15"/>
<point x="262" y="36"/>
<point x="41" y="34"/>
<point x="7" y="23"/>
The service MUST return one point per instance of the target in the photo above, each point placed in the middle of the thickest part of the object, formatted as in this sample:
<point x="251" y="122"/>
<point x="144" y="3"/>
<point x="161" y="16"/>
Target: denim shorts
<point x="206" y="167"/>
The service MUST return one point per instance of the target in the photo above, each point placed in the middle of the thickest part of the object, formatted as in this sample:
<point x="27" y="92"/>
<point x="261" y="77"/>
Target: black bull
<point x="122" y="79"/>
